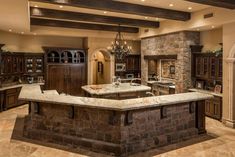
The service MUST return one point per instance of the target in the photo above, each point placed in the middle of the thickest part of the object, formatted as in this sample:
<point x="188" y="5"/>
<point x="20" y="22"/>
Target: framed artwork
<point x="218" y="89"/>
<point x="100" y="67"/>
<point x="199" y="84"/>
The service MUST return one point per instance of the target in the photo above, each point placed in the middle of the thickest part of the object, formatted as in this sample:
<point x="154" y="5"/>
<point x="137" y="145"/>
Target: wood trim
<point x="155" y="57"/>
<point x="229" y="4"/>
<point x="76" y="16"/>
<point x="80" y="25"/>
<point x="123" y="7"/>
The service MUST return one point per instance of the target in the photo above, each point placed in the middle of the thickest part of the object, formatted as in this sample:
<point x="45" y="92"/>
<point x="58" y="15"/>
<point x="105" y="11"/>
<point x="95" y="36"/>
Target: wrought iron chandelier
<point x="119" y="46"/>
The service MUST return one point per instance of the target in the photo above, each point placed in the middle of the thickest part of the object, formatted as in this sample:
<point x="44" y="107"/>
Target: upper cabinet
<point x="73" y="56"/>
<point x="207" y="66"/>
<point x="34" y="63"/>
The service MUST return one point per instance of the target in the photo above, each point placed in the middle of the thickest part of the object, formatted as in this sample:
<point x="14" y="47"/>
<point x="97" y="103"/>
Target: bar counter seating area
<point x="117" y="78"/>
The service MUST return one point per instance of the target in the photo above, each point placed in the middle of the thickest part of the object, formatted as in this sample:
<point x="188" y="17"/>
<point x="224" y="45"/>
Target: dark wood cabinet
<point x="207" y="66"/>
<point x="133" y="66"/>
<point x="66" y="70"/>
<point x="34" y="63"/>
<point x="11" y="98"/>
<point x="133" y="63"/>
<point x="213" y="108"/>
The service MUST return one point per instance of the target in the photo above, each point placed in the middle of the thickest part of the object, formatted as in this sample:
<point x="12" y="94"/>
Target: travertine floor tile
<point x="219" y="142"/>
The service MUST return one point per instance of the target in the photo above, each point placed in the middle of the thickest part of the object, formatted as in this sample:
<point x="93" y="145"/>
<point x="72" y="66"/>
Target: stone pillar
<point x="229" y="94"/>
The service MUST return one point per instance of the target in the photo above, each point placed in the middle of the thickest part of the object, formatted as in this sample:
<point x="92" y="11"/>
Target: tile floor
<point x="219" y="142"/>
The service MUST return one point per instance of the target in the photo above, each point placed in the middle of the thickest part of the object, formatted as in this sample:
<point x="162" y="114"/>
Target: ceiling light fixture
<point x="119" y="46"/>
<point x="190" y="8"/>
<point x="142" y="0"/>
<point x="171" y="5"/>
<point x="146" y="17"/>
<point x="157" y="18"/>
<point x="61" y="6"/>
<point x="105" y="12"/>
<point x="10" y="30"/>
<point x="36" y="6"/>
<point x="34" y="33"/>
<point x="22" y="32"/>
<point x="212" y="27"/>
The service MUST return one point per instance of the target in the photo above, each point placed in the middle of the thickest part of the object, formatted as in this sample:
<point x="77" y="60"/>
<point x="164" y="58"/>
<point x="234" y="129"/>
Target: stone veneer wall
<point x="174" y="43"/>
<point x="110" y="131"/>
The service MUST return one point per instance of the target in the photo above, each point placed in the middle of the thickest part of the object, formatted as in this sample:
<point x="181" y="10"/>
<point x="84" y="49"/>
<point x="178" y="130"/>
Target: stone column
<point x="229" y="94"/>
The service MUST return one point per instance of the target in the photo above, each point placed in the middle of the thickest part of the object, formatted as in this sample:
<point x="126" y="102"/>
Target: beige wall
<point x="34" y="43"/>
<point x="210" y="39"/>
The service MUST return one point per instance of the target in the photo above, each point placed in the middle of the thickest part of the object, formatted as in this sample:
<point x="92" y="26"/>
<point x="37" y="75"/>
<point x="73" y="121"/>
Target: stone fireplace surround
<point x="171" y="44"/>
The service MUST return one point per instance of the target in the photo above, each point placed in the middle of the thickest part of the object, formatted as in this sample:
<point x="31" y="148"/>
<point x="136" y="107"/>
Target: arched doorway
<point x="101" y="67"/>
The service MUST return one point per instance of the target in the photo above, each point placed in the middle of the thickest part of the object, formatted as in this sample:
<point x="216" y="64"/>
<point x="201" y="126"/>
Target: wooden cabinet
<point x="66" y="70"/>
<point x="207" y="66"/>
<point x="133" y="66"/>
<point x="11" y="98"/>
<point x="34" y="63"/>
<point x="213" y="108"/>
<point x="66" y="79"/>
<point x="202" y="67"/>
<point x="133" y="63"/>
<point x="12" y="63"/>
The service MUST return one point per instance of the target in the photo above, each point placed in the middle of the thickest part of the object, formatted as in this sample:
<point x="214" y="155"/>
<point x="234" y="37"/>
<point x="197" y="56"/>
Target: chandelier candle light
<point x="119" y="46"/>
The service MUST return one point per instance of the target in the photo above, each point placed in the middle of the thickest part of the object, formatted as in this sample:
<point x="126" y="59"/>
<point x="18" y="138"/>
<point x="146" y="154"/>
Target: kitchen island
<point x="117" y="127"/>
<point x="111" y="91"/>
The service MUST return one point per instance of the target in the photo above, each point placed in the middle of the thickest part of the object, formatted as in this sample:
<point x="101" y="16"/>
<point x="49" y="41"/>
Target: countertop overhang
<point x="33" y="93"/>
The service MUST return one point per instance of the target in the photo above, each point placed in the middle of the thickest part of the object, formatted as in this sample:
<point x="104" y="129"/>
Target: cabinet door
<point x="208" y="107"/>
<point x="77" y="79"/>
<point x="219" y="68"/>
<point x="217" y="104"/>
<point x="7" y="64"/>
<point x="129" y="63"/>
<point x="212" y="67"/>
<point x="11" y="97"/>
<point x="57" y="78"/>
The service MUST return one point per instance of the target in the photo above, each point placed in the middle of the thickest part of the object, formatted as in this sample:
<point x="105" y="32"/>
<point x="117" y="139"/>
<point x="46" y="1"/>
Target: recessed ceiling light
<point x="61" y="6"/>
<point x="142" y="0"/>
<point x="10" y="30"/>
<point x="190" y="8"/>
<point x="157" y="18"/>
<point x="34" y="33"/>
<point x="105" y="12"/>
<point x="146" y="17"/>
<point x="36" y="6"/>
<point x="212" y="27"/>
<point x="22" y="32"/>
<point x="171" y="5"/>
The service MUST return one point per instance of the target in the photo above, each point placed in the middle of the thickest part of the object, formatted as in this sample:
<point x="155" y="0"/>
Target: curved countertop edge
<point x="206" y="92"/>
<point x="33" y="93"/>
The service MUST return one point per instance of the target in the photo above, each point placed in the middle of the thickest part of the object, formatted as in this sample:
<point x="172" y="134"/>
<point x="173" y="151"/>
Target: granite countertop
<point x="34" y="93"/>
<point x="17" y="86"/>
<point x="206" y="92"/>
<point x="105" y="89"/>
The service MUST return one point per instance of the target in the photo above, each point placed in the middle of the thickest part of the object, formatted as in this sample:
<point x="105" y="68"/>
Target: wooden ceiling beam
<point x="75" y="16"/>
<point x="229" y="4"/>
<point x="123" y="7"/>
<point x="80" y="25"/>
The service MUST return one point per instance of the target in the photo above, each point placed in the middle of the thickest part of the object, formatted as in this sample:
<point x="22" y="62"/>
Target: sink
<point x="135" y="84"/>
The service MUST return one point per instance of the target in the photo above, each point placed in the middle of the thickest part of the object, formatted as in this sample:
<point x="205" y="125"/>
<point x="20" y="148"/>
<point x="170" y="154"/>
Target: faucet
<point x="135" y="79"/>
<point x="150" y="94"/>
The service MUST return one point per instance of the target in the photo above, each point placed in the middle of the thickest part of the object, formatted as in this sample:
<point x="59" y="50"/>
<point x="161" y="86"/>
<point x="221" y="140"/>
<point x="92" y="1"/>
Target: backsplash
<point x="168" y="69"/>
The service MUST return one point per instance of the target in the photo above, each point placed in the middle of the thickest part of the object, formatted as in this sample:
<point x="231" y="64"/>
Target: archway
<point x="229" y="89"/>
<point x="101" y="67"/>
